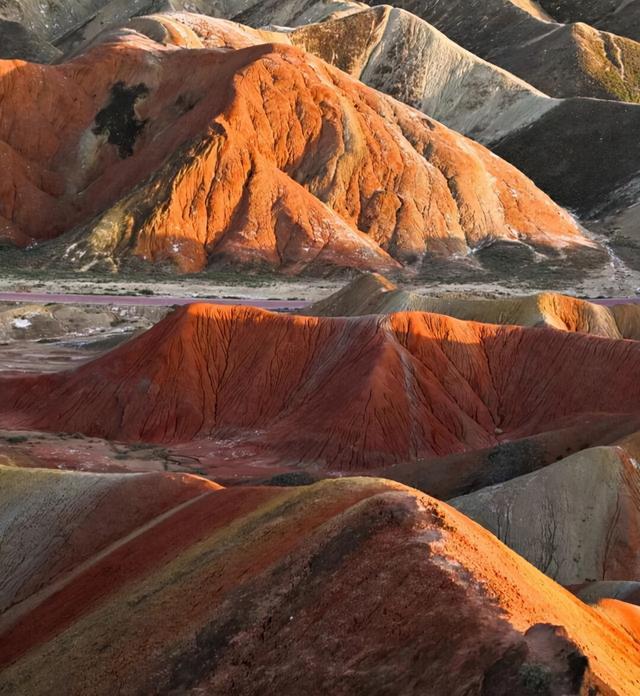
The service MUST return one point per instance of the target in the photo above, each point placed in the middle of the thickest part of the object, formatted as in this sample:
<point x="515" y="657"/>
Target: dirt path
<point x="160" y="301"/>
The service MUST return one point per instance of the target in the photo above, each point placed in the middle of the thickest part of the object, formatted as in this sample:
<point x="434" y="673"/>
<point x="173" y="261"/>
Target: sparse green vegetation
<point x="536" y="679"/>
<point x="613" y="64"/>
<point x="16" y="439"/>
<point x="292" y="478"/>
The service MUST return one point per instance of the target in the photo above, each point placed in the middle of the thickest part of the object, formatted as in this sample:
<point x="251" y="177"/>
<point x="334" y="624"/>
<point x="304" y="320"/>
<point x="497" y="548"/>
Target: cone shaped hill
<point x="182" y="157"/>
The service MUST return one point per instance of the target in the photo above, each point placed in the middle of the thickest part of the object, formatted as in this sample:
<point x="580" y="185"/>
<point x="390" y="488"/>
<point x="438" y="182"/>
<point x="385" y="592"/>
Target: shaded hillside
<point x="570" y="59"/>
<point x="214" y="597"/>
<point x="618" y="16"/>
<point x="50" y="19"/>
<point x="18" y="42"/>
<point x="585" y="135"/>
<point x="576" y="520"/>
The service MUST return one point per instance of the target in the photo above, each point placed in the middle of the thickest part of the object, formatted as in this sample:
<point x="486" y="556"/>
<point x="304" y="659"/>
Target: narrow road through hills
<point x="168" y="301"/>
<point x="150" y="301"/>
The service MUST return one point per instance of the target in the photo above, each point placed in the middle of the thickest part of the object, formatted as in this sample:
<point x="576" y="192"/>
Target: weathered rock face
<point x="571" y="59"/>
<point x="211" y="596"/>
<point x="563" y="145"/>
<point x="18" y="42"/>
<point x="341" y="394"/>
<point x="260" y="155"/>
<point x="576" y="520"/>
<point x="403" y="56"/>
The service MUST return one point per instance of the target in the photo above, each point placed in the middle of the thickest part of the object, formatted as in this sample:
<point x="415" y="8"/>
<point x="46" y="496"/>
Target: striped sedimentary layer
<point x="276" y="591"/>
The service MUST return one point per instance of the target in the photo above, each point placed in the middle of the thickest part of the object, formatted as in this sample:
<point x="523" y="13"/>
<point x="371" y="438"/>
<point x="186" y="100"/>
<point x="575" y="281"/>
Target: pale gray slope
<point x="577" y="520"/>
<point x="563" y="60"/>
<point x="49" y="19"/>
<point x="18" y="42"/>
<point x="404" y="56"/>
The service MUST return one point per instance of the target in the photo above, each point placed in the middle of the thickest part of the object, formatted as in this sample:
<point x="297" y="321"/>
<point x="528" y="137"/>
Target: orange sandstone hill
<point x="289" y="591"/>
<point x="263" y="155"/>
<point x="343" y="393"/>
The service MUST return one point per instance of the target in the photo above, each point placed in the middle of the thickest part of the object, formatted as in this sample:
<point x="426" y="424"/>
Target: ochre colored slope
<point x="346" y="393"/>
<point x="250" y="591"/>
<point x="374" y="294"/>
<point x="625" y="615"/>
<point x="263" y="155"/>
<point x="403" y="56"/>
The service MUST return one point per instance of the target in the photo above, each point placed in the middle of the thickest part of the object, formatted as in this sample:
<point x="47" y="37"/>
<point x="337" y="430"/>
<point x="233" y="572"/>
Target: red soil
<point x="263" y="154"/>
<point x="349" y="394"/>
<point x="291" y="591"/>
<point x="149" y="550"/>
<point x="94" y="512"/>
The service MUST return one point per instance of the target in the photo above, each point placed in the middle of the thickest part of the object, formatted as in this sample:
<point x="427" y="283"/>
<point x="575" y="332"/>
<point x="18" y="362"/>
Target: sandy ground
<point x="258" y="289"/>
<point x="614" y="281"/>
<point x="226" y="462"/>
